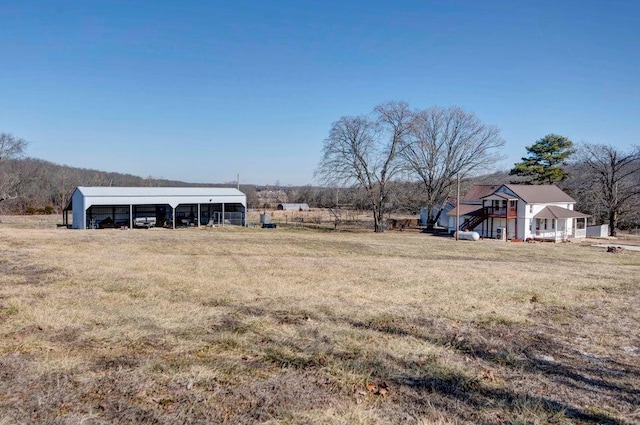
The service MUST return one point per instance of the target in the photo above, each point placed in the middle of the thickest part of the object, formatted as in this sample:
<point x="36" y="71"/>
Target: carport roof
<point x="98" y="191"/>
<point x="152" y="192"/>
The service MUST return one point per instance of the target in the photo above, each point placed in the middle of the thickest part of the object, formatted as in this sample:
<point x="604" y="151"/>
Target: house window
<point x="553" y="224"/>
<point x="531" y="209"/>
<point x="512" y="204"/>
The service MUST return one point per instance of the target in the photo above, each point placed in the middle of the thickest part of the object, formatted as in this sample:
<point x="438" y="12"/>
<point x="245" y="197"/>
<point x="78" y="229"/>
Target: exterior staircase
<point x="474" y="221"/>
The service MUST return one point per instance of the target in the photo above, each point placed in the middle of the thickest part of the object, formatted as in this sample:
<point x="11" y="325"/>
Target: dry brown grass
<point x="233" y="325"/>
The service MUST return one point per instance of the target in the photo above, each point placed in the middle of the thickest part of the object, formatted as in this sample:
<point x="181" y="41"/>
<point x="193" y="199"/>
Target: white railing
<point x="551" y="235"/>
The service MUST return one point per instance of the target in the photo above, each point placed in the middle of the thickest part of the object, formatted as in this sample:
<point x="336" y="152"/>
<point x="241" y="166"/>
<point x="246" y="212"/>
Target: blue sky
<point x="202" y="90"/>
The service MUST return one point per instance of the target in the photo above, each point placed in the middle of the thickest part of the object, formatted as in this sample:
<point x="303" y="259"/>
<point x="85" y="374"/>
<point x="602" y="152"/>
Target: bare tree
<point x="614" y="180"/>
<point x="445" y="143"/>
<point x="10" y="148"/>
<point x="363" y="151"/>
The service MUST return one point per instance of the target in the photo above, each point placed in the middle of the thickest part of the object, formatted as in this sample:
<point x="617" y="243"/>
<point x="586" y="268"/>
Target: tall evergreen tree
<point x="545" y="162"/>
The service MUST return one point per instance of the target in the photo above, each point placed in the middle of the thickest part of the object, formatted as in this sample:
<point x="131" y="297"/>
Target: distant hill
<point x="43" y="186"/>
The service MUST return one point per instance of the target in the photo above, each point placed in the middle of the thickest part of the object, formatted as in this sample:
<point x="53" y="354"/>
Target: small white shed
<point x="293" y="207"/>
<point x="601" y="231"/>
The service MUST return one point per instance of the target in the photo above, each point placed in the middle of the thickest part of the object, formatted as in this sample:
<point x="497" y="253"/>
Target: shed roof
<point x="290" y="206"/>
<point x="553" y="211"/>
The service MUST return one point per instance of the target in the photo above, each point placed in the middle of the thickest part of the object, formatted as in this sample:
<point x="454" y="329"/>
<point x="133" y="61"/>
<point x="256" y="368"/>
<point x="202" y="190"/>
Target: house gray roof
<point x="539" y="194"/>
<point x="477" y="192"/>
<point x="503" y="195"/>
<point x="553" y="211"/>
<point x="465" y="209"/>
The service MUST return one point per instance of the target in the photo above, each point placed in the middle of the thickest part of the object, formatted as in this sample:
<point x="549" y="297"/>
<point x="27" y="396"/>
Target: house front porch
<point x="556" y="224"/>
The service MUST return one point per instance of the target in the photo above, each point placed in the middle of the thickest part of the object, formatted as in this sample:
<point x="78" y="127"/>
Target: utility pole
<point x="457" y="205"/>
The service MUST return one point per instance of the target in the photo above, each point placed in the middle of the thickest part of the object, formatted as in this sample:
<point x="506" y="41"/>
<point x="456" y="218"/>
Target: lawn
<point x="294" y="326"/>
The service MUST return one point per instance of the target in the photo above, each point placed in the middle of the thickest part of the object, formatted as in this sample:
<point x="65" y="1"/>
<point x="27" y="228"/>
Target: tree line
<point x="394" y="159"/>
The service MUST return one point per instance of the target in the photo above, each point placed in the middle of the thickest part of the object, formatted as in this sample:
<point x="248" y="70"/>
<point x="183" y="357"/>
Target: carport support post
<point x="198" y="215"/>
<point x="130" y="216"/>
<point x="223" y="214"/>
<point x="173" y="219"/>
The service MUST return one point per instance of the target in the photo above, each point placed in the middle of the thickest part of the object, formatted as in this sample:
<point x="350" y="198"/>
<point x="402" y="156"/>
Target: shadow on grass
<point x="539" y="379"/>
<point x="576" y="379"/>
<point x="564" y="380"/>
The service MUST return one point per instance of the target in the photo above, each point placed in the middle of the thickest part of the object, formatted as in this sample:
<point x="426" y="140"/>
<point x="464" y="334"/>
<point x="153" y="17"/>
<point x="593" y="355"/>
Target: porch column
<point x="573" y="227"/>
<point x="506" y="221"/>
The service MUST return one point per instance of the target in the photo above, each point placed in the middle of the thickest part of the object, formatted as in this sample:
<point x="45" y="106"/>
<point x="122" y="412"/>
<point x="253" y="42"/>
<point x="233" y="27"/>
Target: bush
<point x="31" y="210"/>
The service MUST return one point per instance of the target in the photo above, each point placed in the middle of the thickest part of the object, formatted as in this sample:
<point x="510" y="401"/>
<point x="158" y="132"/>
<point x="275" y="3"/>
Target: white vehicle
<point x="144" y="222"/>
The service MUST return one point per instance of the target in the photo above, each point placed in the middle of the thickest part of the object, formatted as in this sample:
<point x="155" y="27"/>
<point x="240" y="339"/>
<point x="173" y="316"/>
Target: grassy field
<point x="293" y="326"/>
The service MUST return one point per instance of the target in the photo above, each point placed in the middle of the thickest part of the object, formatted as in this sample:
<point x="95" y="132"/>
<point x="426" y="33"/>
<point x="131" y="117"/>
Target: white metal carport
<point x="226" y="205"/>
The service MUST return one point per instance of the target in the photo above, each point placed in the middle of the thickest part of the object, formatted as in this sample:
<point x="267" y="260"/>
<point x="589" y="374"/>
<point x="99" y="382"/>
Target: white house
<point x="513" y="211"/>
<point x="101" y="207"/>
<point x="470" y="205"/>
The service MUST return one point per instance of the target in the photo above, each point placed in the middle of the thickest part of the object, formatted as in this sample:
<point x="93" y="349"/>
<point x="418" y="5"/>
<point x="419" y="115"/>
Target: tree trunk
<point x="430" y="216"/>
<point x="378" y="218"/>
<point x="436" y="218"/>
<point x="613" y="222"/>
